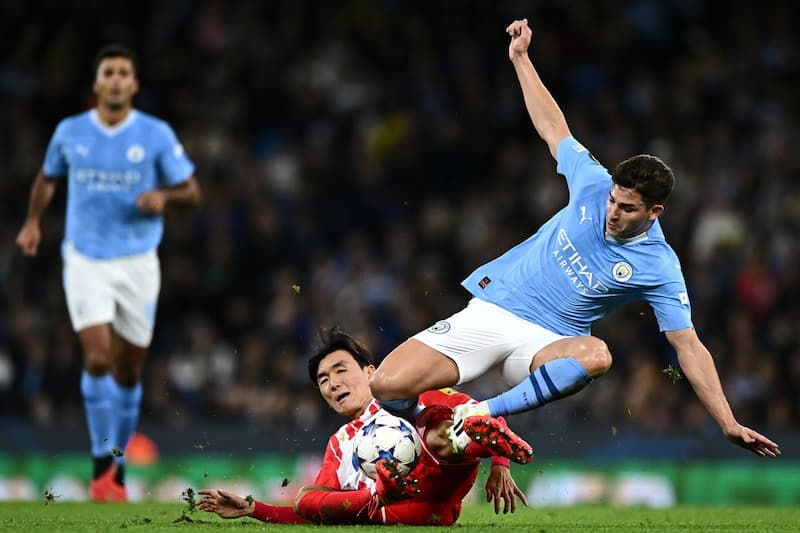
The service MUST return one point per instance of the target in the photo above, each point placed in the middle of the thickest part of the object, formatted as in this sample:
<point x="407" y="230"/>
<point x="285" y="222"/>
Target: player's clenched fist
<point x="520" y="35"/>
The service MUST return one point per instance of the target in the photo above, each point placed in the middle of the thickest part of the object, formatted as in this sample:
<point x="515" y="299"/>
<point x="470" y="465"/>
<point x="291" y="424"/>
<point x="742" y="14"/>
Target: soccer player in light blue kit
<point x="123" y="167"/>
<point x="532" y="307"/>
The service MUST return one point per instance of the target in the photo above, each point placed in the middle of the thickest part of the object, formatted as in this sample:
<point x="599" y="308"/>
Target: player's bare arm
<point x="155" y="201"/>
<point x="41" y="194"/>
<point x="698" y="367"/>
<point x="545" y="114"/>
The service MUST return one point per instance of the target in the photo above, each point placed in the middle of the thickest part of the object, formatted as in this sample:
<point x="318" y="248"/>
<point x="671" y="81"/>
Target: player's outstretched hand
<point x="753" y="441"/>
<point x="520" y="35"/>
<point x="501" y="486"/>
<point x="392" y="486"/>
<point x="225" y="504"/>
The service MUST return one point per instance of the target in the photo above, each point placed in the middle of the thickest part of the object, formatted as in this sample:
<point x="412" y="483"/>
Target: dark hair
<point x="647" y="175"/>
<point x="115" y="50"/>
<point x="335" y="339"/>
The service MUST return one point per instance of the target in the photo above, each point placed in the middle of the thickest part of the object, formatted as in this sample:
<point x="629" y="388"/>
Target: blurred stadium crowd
<point x="360" y="158"/>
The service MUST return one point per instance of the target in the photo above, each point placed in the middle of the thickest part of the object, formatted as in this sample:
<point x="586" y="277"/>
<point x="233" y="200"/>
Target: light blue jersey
<point x="107" y="168"/>
<point x="568" y="274"/>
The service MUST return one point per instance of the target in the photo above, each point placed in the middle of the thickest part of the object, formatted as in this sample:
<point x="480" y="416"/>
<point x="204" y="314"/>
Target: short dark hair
<point x="335" y="339"/>
<point x="116" y="50"/>
<point x="648" y="175"/>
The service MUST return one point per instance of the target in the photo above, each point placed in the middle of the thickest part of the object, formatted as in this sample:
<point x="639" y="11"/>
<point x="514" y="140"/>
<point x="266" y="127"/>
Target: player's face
<point x="344" y="384"/>
<point x="626" y="213"/>
<point x="115" y="83"/>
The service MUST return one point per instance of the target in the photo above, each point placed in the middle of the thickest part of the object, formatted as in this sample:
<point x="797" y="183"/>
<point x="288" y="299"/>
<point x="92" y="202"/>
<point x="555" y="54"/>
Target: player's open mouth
<point x="342" y="396"/>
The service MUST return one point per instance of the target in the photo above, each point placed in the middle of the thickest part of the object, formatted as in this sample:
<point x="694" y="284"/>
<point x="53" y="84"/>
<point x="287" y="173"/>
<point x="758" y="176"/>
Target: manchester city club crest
<point x="135" y="153"/>
<point x="622" y="271"/>
<point x="443" y="326"/>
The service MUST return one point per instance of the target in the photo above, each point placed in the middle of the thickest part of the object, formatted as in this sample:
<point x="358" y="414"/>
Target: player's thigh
<point x="476" y="338"/>
<point x="410" y="369"/>
<point x="88" y="290"/>
<point x="136" y="291"/>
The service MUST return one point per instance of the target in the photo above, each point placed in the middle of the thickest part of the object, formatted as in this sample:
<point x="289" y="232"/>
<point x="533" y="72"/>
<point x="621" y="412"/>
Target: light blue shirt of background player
<point x="123" y="168"/>
<point x="108" y="168"/>
<point x="570" y="273"/>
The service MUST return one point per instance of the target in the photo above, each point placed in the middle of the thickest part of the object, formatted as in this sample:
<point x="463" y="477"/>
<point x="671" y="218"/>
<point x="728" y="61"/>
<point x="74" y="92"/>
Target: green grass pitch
<point x="156" y="517"/>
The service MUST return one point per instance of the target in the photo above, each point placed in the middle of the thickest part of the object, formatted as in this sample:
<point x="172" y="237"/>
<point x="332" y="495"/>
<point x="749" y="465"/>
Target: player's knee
<point x="380" y="387"/>
<point x="128" y="373"/>
<point x="97" y="362"/>
<point x="597" y="357"/>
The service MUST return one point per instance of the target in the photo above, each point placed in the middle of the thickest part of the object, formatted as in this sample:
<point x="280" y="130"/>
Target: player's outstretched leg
<point x="492" y="434"/>
<point x="495" y="434"/>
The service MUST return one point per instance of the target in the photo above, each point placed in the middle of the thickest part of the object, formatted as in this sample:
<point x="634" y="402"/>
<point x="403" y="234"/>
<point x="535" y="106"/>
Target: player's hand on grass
<point x="520" y="35"/>
<point x="225" y="504"/>
<point x="752" y="440"/>
<point x="501" y="486"/>
<point x="392" y="486"/>
<point x="28" y="238"/>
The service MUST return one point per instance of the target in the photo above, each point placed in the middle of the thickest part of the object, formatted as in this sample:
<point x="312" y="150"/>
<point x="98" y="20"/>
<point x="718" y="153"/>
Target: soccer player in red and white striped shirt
<point x="342" y="493"/>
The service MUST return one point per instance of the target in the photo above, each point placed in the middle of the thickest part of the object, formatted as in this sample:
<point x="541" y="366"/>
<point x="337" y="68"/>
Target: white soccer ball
<point x="386" y="437"/>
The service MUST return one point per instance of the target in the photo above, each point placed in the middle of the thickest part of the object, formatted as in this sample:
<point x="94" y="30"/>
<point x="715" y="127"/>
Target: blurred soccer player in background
<point x="533" y="306"/>
<point x="123" y="167"/>
<point x="342" y="492"/>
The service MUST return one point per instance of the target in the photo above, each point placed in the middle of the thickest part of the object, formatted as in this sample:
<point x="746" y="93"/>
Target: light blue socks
<point x="551" y="381"/>
<point x="126" y="405"/>
<point x="97" y="401"/>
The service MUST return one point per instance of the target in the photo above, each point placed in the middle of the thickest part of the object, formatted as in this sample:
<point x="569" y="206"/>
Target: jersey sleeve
<point x="55" y="161"/>
<point x="670" y="302"/>
<point x="327" y="475"/>
<point x="578" y="165"/>
<point x="174" y="166"/>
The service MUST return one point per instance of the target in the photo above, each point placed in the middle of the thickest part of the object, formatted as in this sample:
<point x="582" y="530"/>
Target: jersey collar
<point x="115" y="130"/>
<point x="630" y="240"/>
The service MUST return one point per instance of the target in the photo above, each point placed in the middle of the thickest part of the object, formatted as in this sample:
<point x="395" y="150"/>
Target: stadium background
<point x="358" y="159"/>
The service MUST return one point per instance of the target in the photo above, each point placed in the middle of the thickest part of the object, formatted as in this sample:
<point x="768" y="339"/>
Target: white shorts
<point x="121" y="291"/>
<point x="483" y="335"/>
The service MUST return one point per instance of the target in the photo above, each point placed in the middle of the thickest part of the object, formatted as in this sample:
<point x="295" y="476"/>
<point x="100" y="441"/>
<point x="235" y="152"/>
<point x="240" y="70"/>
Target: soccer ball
<point x="386" y="437"/>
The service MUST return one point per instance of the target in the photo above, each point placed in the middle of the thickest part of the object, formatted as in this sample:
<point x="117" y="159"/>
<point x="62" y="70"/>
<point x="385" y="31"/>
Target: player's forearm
<point x="187" y="193"/>
<point x="545" y="114"/>
<point x="698" y="367"/>
<point x="275" y="514"/>
<point x="335" y="506"/>
<point x="41" y="196"/>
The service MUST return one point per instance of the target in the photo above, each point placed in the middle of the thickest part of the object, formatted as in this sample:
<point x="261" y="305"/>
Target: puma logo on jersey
<point x="583" y="215"/>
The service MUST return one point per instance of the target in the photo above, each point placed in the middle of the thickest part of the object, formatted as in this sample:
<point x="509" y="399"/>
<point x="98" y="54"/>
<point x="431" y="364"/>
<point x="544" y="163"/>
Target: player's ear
<point x="369" y="370"/>
<point x="655" y="211"/>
